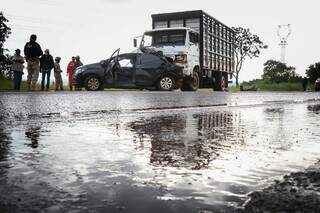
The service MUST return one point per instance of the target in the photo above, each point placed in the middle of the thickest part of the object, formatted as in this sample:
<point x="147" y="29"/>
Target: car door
<point x="123" y="72"/>
<point x="148" y="69"/>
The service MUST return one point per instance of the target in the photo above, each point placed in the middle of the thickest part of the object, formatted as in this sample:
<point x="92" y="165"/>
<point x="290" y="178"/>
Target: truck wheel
<point x="166" y="83"/>
<point x="191" y="84"/>
<point x="93" y="83"/>
<point x="220" y="82"/>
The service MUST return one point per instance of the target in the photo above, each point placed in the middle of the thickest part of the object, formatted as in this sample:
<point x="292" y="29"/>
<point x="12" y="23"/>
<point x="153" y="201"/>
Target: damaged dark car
<point x="140" y="70"/>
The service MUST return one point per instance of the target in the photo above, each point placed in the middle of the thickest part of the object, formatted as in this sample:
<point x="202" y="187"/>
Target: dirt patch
<point x="297" y="192"/>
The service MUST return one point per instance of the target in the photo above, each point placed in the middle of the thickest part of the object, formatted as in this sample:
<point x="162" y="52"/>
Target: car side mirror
<point x="135" y="43"/>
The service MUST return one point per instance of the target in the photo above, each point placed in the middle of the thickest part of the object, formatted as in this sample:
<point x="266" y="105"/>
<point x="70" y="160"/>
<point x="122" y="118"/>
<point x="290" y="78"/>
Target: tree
<point x="276" y="71"/>
<point x="247" y="45"/>
<point x="5" y="31"/>
<point x="313" y="72"/>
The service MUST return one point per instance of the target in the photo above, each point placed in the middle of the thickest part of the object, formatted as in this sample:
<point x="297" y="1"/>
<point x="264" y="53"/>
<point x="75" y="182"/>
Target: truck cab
<point x="180" y="44"/>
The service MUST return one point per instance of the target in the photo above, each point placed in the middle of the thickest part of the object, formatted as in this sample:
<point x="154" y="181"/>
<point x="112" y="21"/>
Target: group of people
<point x="37" y="63"/>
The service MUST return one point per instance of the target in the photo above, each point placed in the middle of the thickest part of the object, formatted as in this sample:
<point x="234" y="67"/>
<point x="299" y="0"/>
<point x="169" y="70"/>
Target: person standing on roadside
<point x="57" y="74"/>
<point x="70" y="71"/>
<point x="17" y="68"/>
<point x="46" y="65"/>
<point x="32" y="52"/>
<point x="78" y="63"/>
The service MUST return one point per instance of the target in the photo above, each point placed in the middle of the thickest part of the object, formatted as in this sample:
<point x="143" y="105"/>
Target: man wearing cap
<point x="57" y="74"/>
<point x="32" y="52"/>
<point x="46" y="65"/>
<point x="17" y="68"/>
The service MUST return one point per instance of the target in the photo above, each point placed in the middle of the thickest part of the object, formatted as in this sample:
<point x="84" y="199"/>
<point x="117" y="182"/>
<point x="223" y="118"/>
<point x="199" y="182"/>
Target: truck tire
<point x="166" y="83"/>
<point x="93" y="83"/>
<point x="191" y="84"/>
<point x="219" y="83"/>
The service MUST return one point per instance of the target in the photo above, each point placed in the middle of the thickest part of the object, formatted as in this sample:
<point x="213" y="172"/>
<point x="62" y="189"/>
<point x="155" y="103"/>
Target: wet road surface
<point x="150" y="151"/>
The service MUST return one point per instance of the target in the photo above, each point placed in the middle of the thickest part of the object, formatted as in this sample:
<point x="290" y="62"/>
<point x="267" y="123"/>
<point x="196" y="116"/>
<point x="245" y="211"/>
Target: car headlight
<point x="79" y="70"/>
<point x="181" y="58"/>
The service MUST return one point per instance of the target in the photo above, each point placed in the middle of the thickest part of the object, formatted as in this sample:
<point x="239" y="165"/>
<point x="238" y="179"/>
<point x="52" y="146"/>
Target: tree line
<point x="277" y="72"/>
<point x="5" y="31"/>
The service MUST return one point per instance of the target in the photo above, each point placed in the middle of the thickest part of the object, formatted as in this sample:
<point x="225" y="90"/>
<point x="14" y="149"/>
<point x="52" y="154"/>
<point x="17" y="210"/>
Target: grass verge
<point x="7" y="85"/>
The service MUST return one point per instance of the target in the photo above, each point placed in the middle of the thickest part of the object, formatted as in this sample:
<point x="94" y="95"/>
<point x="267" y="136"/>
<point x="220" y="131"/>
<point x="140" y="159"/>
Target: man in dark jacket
<point x="32" y="52"/>
<point x="46" y="65"/>
<point x="77" y="64"/>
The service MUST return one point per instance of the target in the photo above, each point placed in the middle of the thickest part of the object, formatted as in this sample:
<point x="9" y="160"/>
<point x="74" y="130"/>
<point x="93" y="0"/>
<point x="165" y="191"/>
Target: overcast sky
<point x="94" y="29"/>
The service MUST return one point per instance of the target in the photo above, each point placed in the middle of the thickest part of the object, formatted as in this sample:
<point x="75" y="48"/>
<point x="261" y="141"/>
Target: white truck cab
<point x="180" y="44"/>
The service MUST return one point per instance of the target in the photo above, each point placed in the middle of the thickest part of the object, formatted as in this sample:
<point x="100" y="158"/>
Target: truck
<point x="196" y="41"/>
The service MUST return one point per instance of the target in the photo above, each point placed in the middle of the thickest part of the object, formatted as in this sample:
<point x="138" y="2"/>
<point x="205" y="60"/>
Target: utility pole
<point x="284" y="31"/>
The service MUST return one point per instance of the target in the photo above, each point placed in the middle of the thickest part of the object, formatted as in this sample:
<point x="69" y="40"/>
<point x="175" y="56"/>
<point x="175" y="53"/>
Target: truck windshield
<point x="170" y="37"/>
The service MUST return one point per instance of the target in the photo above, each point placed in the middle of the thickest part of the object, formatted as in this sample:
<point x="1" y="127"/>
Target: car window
<point x="126" y="62"/>
<point x="150" y="61"/>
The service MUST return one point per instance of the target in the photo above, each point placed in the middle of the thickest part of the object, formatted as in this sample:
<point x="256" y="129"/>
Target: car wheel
<point x="93" y="83"/>
<point x="166" y="83"/>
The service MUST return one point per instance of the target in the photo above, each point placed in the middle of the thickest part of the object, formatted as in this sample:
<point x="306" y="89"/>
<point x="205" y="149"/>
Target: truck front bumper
<point x="185" y="68"/>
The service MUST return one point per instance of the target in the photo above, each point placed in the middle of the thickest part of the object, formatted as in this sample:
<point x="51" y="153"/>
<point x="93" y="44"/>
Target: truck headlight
<point x="181" y="59"/>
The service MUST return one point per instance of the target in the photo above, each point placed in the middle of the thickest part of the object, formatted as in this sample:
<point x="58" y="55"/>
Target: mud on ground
<point x="297" y="192"/>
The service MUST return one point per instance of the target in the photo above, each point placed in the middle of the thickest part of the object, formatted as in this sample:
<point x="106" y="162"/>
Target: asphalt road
<point x="150" y="151"/>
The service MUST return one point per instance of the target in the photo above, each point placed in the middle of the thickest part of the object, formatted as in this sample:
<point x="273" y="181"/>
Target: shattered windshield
<point x="171" y="37"/>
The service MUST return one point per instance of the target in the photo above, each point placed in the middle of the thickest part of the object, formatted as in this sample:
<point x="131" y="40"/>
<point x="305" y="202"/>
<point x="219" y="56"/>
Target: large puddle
<point x="161" y="158"/>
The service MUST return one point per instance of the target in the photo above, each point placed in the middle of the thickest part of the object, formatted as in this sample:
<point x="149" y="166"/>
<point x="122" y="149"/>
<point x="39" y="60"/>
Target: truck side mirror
<point x="135" y="42"/>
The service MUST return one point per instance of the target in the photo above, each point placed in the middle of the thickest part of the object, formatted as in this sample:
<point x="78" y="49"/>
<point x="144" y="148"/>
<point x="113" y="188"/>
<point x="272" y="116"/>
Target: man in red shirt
<point x="70" y="72"/>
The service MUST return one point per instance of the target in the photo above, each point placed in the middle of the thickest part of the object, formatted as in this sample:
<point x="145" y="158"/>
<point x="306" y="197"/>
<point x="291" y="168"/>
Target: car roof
<point x="128" y="54"/>
<point x="132" y="54"/>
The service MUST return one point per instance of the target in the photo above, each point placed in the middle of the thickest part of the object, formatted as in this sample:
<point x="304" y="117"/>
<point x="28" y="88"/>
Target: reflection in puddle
<point x="4" y="143"/>
<point x="279" y="110"/>
<point x="189" y="141"/>
<point x="33" y="134"/>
